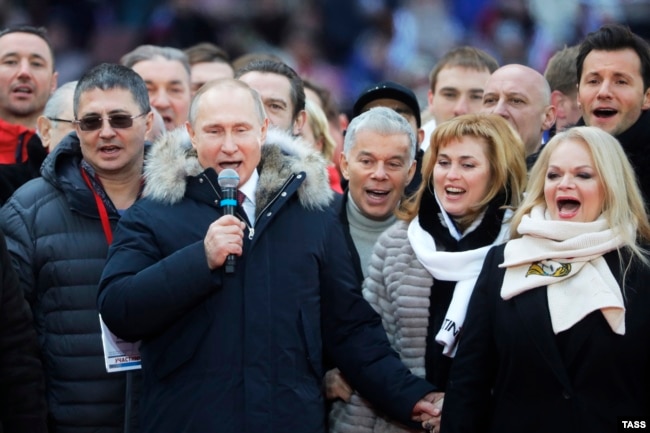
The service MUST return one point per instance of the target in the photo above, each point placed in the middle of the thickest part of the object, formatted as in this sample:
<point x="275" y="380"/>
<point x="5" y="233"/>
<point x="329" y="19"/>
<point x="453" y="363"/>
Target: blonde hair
<point x="320" y="128"/>
<point x="504" y="151"/>
<point x="623" y="205"/>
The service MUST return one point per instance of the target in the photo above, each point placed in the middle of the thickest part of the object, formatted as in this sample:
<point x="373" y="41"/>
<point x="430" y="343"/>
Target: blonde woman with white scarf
<point x="423" y="268"/>
<point x="557" y="336"/>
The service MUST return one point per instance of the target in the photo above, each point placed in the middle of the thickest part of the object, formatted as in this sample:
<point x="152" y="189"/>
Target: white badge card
<point x="119" y="355"/>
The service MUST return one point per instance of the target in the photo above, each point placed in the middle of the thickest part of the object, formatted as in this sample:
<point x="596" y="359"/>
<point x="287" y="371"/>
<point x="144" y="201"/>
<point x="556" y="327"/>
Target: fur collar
<point x="172" y="159"/>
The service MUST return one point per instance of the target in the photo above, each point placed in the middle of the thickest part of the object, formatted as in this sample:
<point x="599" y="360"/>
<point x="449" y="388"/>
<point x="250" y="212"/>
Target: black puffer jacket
<point x="22" y="390"/>
<point x="58" y="246"/>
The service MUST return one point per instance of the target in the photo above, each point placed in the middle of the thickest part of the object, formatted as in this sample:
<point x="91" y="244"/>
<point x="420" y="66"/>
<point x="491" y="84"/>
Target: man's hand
<point x="225" y="236"/>
<point x="428" y="410"/>
<point x="336" y="386"/>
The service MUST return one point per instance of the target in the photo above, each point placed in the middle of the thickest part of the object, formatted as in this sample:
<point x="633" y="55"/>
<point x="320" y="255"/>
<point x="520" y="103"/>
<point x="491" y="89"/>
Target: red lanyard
<point x="101" y="207"/>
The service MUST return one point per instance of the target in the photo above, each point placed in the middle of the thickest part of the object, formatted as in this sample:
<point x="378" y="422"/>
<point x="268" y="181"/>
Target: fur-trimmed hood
<point x="172" y="159"/>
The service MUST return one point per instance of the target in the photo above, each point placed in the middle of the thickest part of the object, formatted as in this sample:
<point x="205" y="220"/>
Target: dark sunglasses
<point x="118" y="121"/>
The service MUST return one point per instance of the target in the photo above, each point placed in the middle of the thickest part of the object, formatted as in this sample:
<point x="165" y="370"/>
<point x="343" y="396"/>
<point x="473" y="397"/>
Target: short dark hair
<point x="464" y="57"/>
<point x="561" y="70"/>
<point x="107" y="76"/>
<point x="206" y="52"/>
<point x="280" y="68"/>
<point x="615" y="37"/>
<point x="41" y="32"/>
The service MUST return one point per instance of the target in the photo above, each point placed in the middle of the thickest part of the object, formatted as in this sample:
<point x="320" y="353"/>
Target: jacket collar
<point x="172" y="160"/>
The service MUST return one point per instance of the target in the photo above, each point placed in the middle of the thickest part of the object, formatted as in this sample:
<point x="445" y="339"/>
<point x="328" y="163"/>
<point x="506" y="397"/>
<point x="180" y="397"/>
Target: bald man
<point x="522" y="96"/>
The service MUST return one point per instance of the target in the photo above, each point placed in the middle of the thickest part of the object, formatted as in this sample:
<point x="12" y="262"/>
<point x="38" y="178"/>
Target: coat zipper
<point x="251" y="230"/>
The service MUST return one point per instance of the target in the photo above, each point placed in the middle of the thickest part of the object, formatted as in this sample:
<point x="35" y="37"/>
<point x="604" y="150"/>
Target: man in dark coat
<point x="243" y="351"/>
<point x="22" y="386"/>
<point x="58" y="229"/>
<point x="614" y="92"/>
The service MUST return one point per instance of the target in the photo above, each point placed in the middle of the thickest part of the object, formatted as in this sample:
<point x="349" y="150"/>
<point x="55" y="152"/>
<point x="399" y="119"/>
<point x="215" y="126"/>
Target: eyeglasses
<point x="118" y="121"/>
<point x="54" y="119"/>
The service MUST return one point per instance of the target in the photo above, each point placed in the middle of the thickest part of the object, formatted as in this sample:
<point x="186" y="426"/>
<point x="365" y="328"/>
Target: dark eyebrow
<point x="277" y="101"/>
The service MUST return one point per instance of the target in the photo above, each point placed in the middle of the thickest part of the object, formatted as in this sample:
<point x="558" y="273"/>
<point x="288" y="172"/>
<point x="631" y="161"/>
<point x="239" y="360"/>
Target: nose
<point x="229" y="146"/>
<point x="604" y="91"/>
<point x="24" y="69"/>
<point x="453" y="171"/>
<point x="379" y="172"/>
<point x="501" y="109"/>
<point x="106" y="131"/>
<point x="461" y="107"/>
<point x="160" y="99"/>
<point x="566" y="182"/>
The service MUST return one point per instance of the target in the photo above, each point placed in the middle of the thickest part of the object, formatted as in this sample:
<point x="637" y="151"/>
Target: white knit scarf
<point x="567" y="257"/>
<point x="462" y="267"/>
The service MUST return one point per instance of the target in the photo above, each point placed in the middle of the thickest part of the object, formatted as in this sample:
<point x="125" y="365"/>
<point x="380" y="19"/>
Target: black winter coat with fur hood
<point x="243" y="352"/>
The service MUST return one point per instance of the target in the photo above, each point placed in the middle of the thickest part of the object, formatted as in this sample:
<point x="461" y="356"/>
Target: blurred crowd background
<point x="343" y="45"/>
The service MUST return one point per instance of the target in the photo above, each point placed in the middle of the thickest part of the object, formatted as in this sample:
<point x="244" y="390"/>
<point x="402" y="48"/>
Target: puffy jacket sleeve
<point x="356" y="340"/>
<point x="22" y="387"/>
<point x="143" y="291"/>
<point x="15" y="222"/>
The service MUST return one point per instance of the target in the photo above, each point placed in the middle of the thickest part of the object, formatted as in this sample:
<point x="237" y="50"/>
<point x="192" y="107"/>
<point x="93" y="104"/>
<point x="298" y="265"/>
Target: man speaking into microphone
<point x="242" y="352"/>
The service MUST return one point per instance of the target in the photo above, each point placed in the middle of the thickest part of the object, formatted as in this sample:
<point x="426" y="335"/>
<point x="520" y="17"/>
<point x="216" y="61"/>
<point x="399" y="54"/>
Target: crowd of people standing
<point x="473" y="265"/>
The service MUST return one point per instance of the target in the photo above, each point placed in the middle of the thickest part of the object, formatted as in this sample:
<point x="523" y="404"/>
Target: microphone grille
<point x="228" y="178"/>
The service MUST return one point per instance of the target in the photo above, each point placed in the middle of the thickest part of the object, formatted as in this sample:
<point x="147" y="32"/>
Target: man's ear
<point x="298" y="124"/>
<point x="412" y="169"/>
<point x="549" y="118"/>
<point x="44" y="125"/>
<point x="646" y="100"/>
<point x="557" y="100"/>
<point x="343" y="166"/>
<point x="190" y="132"/>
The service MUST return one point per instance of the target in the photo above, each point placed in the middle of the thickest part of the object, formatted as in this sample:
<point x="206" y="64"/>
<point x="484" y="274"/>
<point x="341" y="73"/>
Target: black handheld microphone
<point x="228" y="181"/>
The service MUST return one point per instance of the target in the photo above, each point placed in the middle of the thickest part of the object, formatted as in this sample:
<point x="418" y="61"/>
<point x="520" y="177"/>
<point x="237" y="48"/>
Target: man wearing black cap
<point x="402" y="100"/>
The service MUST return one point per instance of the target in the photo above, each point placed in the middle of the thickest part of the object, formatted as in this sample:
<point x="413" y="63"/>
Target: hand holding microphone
<point x="224" y="240"/>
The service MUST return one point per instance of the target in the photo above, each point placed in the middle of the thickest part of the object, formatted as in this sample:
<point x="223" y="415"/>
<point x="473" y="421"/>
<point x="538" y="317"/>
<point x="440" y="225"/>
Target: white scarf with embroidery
<point x="462" y="267"/>
<point x="567" y="258"/>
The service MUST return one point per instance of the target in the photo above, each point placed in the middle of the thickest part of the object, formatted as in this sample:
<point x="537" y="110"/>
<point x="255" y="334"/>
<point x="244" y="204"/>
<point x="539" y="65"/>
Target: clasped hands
<point x="426" y="411"/>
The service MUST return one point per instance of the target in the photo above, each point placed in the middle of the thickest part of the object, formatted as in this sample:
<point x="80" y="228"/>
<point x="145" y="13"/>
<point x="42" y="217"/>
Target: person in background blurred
<point x="57" y="119"/>
<point x="556" y="336"/>
<point x="207" y="62"/>
<point x="614" y="92"/>
<point x="27" y="79"/>
<point x="522" y="96"/>
<point x="166" y="71"/>
<point x="456" y="86"/>
<point x="316" y="132"/>
<point x="281" y="90"/>
<point x="562" y="78"/>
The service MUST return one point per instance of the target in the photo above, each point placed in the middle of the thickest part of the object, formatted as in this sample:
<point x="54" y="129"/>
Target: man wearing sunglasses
<point x="58" y="230"/>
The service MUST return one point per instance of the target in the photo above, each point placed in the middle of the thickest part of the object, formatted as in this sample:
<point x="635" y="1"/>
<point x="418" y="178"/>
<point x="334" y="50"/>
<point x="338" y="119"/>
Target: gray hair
<point x="151" y="52"/>
<point x="58" y="101"/>
<point x="382" y="120"/>
<point x="107" y="76"/>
